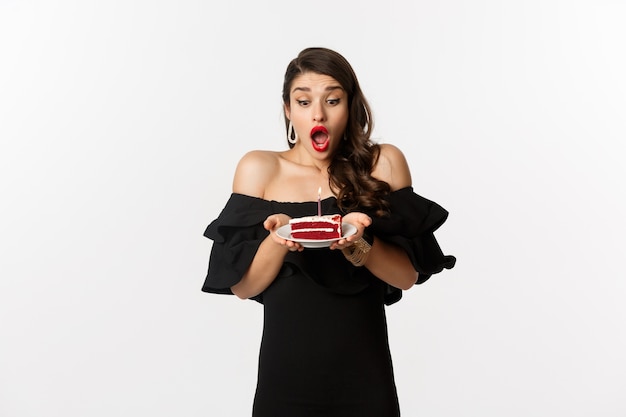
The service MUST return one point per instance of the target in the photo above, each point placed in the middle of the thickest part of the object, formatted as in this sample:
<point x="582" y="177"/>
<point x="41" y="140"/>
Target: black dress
<point x="324" y="350"/>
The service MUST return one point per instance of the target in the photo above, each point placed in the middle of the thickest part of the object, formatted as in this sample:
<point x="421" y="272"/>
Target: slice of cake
<point x="316" y="227"/>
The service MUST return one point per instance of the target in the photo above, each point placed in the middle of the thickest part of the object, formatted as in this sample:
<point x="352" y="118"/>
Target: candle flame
<point x="319" y="192"/>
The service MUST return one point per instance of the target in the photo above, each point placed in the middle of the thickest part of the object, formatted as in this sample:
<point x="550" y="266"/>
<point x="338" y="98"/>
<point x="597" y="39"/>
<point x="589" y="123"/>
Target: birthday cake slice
<point x="316" y="227"/>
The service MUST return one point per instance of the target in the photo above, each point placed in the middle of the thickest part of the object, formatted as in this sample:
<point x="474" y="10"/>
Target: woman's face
<point x="318" y="110"/>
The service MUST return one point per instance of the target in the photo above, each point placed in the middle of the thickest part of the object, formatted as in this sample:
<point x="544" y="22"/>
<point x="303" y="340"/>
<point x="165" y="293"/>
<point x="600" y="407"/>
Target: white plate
<point x="285" y="233"/>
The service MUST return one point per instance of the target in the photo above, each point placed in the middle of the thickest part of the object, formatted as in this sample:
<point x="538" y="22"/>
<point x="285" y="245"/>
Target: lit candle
<point x="319" y="201"/>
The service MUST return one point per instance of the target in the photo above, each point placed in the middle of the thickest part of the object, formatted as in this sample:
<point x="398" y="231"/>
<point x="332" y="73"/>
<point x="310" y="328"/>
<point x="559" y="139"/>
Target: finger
<point x="293" y="246"/>
<point x="366" y="220"/>
<point x="340" y="244"/>
<point x="352" y="238"/>
<point x="269" y="223"/>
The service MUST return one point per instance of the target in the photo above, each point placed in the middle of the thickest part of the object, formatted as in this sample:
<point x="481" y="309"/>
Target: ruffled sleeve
<point x="411" y="225"/>
<point x="236" y="233"/>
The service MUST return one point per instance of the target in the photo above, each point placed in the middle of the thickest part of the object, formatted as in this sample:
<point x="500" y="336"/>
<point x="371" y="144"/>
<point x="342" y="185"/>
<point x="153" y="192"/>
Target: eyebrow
<point x="307" y="89"/>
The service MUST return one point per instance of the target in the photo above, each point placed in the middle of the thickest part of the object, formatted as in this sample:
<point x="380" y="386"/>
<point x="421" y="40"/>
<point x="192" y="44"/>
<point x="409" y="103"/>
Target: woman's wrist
<point x="358" y="252"/>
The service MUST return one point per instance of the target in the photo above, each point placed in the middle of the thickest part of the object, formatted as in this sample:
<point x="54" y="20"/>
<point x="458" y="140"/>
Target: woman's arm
<point x="391" y="264"/>
<point x="388" y="262"/>
<point x="267" y="261"/>
<point x="252" y="176"/>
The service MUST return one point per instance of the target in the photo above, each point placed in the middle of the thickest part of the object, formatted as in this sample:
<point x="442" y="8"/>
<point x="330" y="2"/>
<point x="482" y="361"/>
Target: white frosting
<point x="325" y="219"/>
<point x="328" y="230"/>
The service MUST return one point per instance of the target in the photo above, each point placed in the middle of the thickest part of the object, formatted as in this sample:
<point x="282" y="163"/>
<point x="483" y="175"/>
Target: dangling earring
<point x="291" y="132"/>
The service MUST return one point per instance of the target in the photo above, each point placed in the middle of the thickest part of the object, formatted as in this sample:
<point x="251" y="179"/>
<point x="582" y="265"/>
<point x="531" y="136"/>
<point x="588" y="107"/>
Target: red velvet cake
<point x="316" y="227"/>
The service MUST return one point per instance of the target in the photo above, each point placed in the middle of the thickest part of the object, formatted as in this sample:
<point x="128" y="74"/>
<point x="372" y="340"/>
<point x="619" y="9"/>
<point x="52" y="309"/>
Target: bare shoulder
<point x="254" y="172"/>
<point x="392" y="167"/>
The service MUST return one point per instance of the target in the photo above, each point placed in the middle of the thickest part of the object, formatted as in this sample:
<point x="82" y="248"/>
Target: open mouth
<point x="319" y="137"/>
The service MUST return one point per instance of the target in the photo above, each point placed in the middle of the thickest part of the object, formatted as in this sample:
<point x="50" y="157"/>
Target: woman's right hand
<point x="273" y="223"/>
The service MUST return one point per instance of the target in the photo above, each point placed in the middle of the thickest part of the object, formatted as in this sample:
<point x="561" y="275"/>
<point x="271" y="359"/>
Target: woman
<point x="324" y="349"/>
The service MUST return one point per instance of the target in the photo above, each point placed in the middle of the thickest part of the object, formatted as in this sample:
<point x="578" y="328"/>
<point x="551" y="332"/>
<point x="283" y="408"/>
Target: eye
<point x="333" y="101"/>
<point x="303" y="103"/>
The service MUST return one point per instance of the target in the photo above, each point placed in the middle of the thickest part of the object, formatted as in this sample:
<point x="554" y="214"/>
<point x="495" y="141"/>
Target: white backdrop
<point x="121" y="123"/>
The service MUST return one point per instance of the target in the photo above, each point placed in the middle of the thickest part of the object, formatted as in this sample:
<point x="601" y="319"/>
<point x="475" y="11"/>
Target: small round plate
<point x="285" y="233"/>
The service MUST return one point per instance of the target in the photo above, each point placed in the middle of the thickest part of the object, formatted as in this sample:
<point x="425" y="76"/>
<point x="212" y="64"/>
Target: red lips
<point x="319" y="137"/>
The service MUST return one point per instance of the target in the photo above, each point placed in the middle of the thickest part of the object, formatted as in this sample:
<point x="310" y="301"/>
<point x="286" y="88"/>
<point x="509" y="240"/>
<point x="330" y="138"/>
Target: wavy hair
<point x="350" y="170"/>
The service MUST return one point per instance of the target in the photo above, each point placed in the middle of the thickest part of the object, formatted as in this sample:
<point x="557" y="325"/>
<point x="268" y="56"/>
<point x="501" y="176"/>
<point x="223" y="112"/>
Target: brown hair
<point x="350" y="170"/>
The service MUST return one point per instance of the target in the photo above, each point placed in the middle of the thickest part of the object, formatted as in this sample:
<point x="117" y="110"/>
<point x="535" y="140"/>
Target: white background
<point x="121" y="123"/>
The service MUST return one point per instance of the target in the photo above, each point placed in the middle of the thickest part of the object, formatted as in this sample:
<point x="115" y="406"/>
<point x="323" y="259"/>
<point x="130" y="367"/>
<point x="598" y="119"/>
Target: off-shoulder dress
<point x="324" y="349"/>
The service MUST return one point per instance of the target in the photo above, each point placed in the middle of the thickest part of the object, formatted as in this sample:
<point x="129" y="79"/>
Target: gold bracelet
<point x="358" y="252"/>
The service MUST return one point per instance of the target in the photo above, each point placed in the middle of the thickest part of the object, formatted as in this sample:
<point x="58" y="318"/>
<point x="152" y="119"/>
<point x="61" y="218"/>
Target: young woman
<point x="324" y="350"/>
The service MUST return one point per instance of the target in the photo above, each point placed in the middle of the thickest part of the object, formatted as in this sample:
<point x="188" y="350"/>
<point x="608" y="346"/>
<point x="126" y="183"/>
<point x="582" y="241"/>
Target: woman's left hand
<point x="358" y="220"/>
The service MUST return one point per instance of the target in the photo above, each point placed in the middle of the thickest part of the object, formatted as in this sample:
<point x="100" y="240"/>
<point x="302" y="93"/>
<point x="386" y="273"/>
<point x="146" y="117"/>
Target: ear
<point x="287" y="111"/>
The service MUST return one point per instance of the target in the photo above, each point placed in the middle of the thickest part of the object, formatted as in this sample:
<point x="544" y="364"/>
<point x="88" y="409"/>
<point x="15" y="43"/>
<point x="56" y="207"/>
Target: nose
<point x="318" y="113"/>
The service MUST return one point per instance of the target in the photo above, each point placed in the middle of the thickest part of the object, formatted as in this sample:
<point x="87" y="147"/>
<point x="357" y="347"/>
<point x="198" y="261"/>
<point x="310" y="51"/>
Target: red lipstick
<point x="319" y="137"/>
